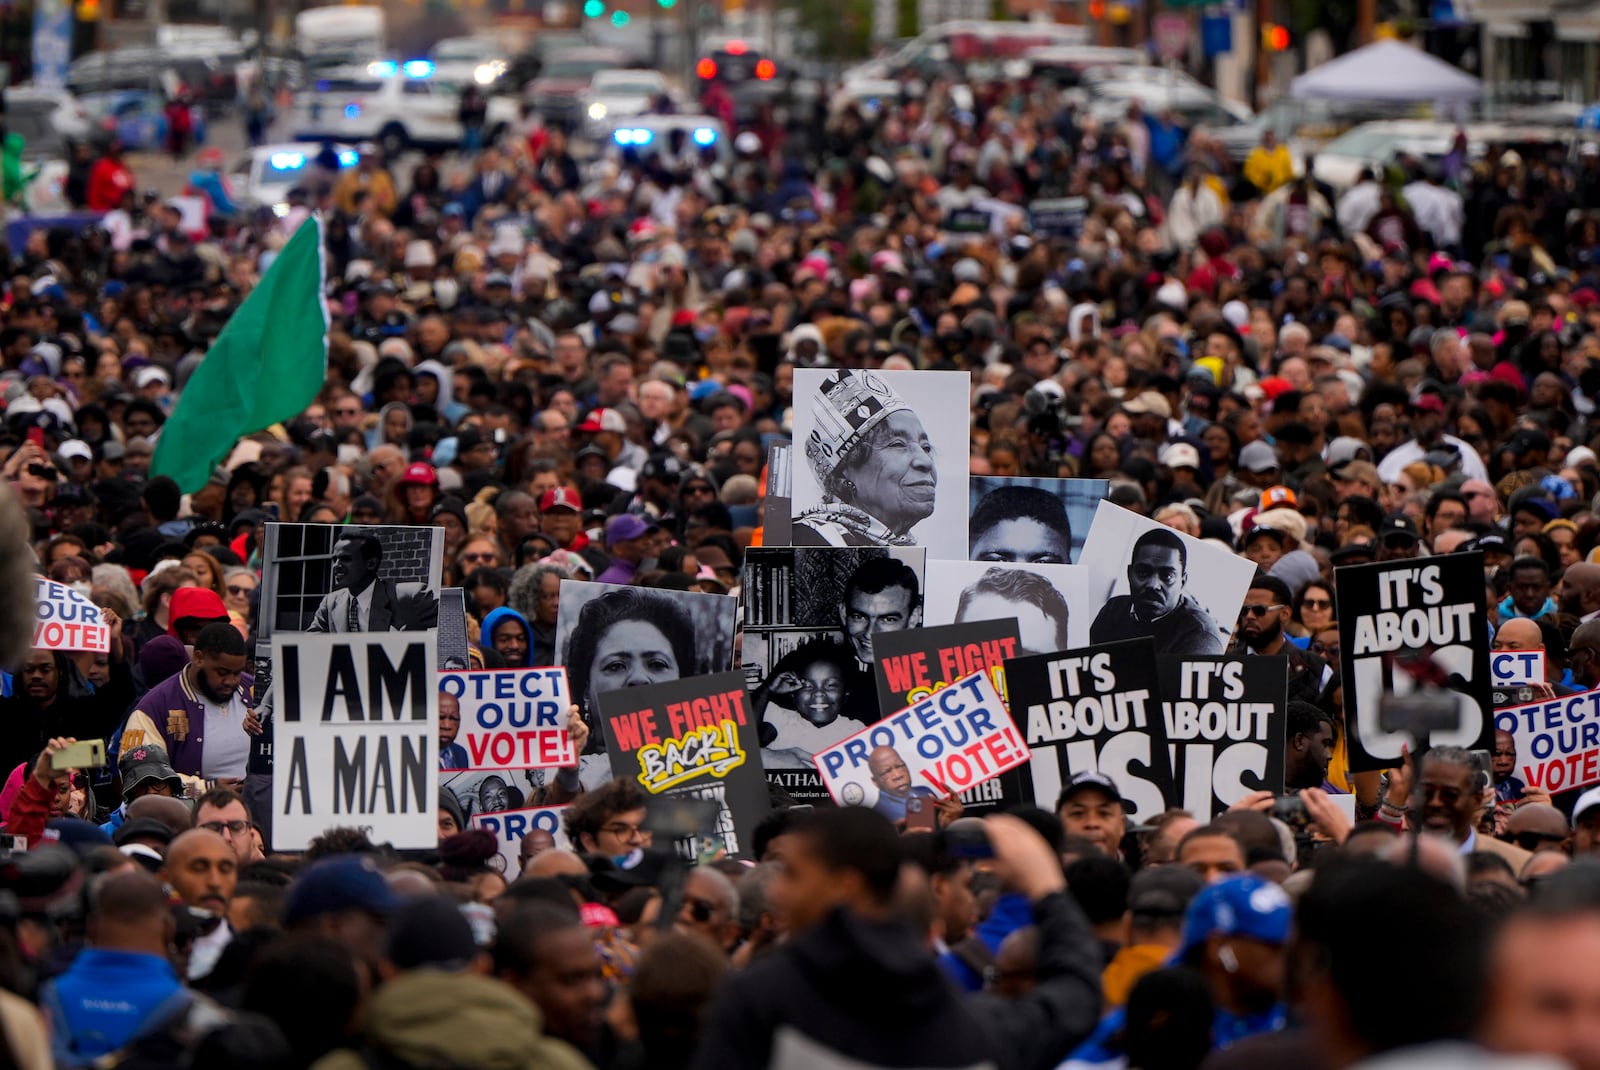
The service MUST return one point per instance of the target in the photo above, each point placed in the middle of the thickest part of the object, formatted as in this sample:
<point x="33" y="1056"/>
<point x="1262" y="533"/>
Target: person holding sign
<point x="1156" y="604"/>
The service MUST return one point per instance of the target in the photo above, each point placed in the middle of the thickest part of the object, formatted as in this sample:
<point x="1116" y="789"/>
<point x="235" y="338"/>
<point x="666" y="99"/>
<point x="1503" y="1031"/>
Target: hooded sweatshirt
<point x="820" y="1001"/>
<point x="426" y="1018"/>
<point x="493" y="619"/>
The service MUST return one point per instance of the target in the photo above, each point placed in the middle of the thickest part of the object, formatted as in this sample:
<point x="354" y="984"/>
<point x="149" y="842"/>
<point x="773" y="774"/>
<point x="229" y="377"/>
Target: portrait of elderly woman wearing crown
<point x="874" y="462"/>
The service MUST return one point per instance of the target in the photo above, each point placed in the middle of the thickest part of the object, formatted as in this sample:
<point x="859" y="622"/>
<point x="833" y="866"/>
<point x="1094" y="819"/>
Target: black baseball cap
<point x="1163" y="892"/>
<point x="1089" y="780"/>
<point x="1398" y="525"/>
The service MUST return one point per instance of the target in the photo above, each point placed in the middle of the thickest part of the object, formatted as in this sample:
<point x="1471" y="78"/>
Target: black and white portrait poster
<point x="611" y="637"/>
<point x="1031" y="520"/>
<point x="356" y="738"/>
<point x="881" y="459"/>
<point x="1412" y="631"/>
<point x="1094" y="710"/>
<point x="338" y="578"/>
<point x="491" y="791"/>
<point x="810" y="618"/>
<point x="1225" y="718"/>
<point x="1148" y="580"/>
<point x="1051" y="603"/>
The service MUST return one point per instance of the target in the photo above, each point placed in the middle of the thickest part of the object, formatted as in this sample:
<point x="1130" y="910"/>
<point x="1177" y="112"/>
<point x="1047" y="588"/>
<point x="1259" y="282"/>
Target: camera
<point x="1421" y="713"/>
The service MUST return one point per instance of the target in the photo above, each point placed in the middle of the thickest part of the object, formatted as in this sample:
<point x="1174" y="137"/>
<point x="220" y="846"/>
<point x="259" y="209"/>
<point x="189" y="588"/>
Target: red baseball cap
<point x="559" y="498"/>
<point x="421" y="474"/>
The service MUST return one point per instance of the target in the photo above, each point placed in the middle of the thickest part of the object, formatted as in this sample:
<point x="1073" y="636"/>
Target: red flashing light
<point x="706" y="68"/>
<point x="736" y="48"/>
<point x="766" y="70"/>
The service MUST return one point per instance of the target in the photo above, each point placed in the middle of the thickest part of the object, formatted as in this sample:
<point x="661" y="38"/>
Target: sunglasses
<point x="1316" y="603"/>
<point x="477" y="557"/>
<point x="235" y="589"/>
<point x="1257" y="611"/>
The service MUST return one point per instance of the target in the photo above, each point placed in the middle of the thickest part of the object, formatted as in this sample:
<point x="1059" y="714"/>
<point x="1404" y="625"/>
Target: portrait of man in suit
<point x="361" y="602"/>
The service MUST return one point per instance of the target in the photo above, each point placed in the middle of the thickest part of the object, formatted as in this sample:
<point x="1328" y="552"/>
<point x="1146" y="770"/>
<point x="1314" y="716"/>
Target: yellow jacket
<point x="1267" y="169"/>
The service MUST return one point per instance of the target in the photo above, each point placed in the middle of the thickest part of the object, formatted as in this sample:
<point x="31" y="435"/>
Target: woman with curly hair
<point x="627" y="637"/>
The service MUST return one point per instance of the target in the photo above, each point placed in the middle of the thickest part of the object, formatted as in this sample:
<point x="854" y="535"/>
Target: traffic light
<point x="1274" y="38"/>
<point x="1097" y="9"/>
<point x="593" y="9"/>
<point x="619" y="18"/>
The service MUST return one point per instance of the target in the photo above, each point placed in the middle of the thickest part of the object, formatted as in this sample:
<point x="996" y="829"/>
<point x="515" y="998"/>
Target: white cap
<point x="1236" y="313"/>
<point x="1181" y="455"/>
<point x="1172" y="295"/>
<point x="419" y="254"/>
<point x="145" y="376"/>
<point x="1587" y="801"/>
<point x="1579" y="455"/>
<point x="73" y="447"/>
<point x="967" y="270"/>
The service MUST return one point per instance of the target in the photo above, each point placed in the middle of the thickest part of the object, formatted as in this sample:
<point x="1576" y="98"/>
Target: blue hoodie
<point x="104" y="999"/>
<point x="500" y="616"/>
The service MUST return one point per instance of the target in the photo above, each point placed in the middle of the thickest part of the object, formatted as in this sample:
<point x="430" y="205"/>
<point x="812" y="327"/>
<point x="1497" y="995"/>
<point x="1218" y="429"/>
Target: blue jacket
<point x="496" y="617"/>
<point x="103" y="999"/>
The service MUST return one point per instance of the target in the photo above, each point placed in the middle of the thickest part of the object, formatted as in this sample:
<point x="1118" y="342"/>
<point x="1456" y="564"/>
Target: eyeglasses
<point x="1316" y="603"/>
<point x="624" y="831"/>
<point x="235" y="828"/>
<point x="235" y="589"/>
<point x="347" y="412"/>
<point x="1257" y="611"/>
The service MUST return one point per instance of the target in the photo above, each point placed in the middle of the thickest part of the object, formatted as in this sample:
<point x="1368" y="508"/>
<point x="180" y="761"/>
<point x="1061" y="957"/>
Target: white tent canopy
<point x="1387" y="71"/>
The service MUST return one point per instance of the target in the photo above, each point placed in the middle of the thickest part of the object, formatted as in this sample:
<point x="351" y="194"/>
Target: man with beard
<point x="1308" y="747"/>
<point x="1266" y="609"/>
<point x="201" y="715"/>
<point x="1156" y="604"/>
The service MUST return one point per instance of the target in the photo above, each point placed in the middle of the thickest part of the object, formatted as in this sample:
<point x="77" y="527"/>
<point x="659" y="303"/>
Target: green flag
<point x="265" y="367"/>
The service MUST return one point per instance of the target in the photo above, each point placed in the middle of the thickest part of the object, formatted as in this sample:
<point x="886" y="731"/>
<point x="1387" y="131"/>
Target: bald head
<point x="1449" y="542"/>
<point x="556" y="863"/>
<point x="1519" y="633"/>
<point x="1580" y="589"/>
<point x="203" y="869"/>
<point x="173" y="813"/>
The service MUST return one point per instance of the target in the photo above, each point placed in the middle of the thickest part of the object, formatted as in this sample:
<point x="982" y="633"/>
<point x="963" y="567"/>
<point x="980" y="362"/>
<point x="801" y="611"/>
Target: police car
<point x="398" y="105"/>
<point x="263" y="176"/>
<point x="673" y="136"/>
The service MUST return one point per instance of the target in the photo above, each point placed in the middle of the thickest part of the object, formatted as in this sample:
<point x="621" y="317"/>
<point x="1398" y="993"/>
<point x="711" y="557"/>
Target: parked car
<point x="621" y="94"/>
<point x="263" y="176"/>
<point x="397" y="105"/>
<point x="565" y="77"/>
<point x="138" y="118"/>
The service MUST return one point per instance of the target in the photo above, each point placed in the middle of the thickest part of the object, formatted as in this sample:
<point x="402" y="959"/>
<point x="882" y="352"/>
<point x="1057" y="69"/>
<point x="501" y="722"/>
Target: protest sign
<point x="1513" y="667"/>
<point x="914" y="663"/>
<point x="812" y="616"/>
<point x="1148" y="580"/>
<point x="510" y="826"/>
<point x="510" y="719"/>
<point x="1040" y="597"/>
<point x="885" y="459"/>
<point x="694" y="738"/>
<point x="1225" y="719"/>
<point x="356" y="736"/>
<point x="610" y="636"/>
<point x="1029" y="519"/>
<point x="950" y="742"/>
<point x="1094" y="710"/>
<point x="66" y="620"/>
<point x="1428" y="608"/>
<point x="1558" y="741"/>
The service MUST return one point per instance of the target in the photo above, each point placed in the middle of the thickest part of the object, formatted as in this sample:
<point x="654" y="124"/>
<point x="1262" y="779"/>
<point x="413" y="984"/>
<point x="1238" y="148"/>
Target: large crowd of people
<point x="577" y="372"/>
